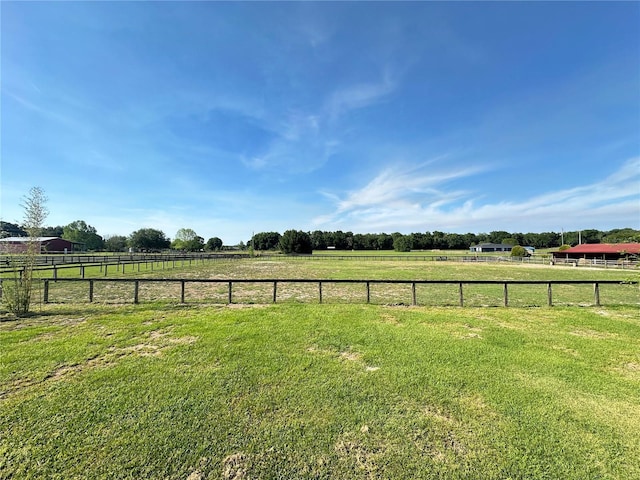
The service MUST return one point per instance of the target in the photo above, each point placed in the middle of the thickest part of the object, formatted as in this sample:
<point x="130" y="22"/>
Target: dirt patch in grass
<point x="568" y="351"/>
<point x="362" y="450"/>
<point x="155" y="345"/>
<point x="350" y="356"/>
<point x="234" y="467"/>
<point x="437" y="414"/>
<point x="345" y="355"/>
<point x="389" y="318"/>
<point x="630" y="370"/>
<point x="439" y="438"/>
<point x="586" y="333"/>
<point x="469" y="332"/>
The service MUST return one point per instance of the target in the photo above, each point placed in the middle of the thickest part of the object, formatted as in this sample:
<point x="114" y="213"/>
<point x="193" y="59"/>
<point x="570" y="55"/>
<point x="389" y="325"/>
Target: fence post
<point x="181" y="291"/>
<point x="55" y="272"/>
<point x="106" y="267"/>
<point x="461" y="295"/>
<point x="230" y="292"/>
<point x="90" y="291"/>
<point x="275" y="290"/>
<point x="596" y="293"/>
<point x="368" y="293"/>
<point x="413" y="293"/>
<point x="81" y="271"/>
<point x="0" y="289"/>
<point x="46" y="291"/>
<point x="506" y="295"/>
<point x="136" y="286"/>
<point x="549" y="295"/>
<point x="320" y="291"/>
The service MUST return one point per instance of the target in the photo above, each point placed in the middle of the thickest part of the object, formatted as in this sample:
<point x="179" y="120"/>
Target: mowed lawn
<point x="165" y="391"/>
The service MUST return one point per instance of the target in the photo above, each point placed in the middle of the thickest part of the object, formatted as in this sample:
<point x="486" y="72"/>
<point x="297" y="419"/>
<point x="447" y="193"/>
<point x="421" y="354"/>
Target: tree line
<point x="339" y="240"/>
<point x="297" y="241"/>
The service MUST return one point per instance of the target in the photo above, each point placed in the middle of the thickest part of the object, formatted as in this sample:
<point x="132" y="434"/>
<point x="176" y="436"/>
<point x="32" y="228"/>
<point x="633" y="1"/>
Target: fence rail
<point x="320" y="283"/>
<point x="121" y="262"/>
<point x="55" y="263"/>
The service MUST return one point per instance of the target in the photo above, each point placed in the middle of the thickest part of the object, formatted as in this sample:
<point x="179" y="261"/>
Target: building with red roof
<point x="600" y="251"/>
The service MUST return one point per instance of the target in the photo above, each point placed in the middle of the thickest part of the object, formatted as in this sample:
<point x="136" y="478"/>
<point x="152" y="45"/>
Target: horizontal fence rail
<point x="274" y="283"/>
<point x="58" y="262"/>
<point x="120" y="262"/>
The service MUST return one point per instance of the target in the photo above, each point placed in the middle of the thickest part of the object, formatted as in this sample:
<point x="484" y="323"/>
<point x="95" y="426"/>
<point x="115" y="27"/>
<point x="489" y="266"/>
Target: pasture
<point x="163" y="390"/>
<point x="341" y="269"/>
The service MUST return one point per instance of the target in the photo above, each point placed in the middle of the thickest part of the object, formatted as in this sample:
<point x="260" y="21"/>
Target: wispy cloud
<point x="358" y="96"/>
<point x="411" y="200"/>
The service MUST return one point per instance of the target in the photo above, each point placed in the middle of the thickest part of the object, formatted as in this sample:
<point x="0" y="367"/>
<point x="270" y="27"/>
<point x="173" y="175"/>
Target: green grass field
<point x="297" y="390"/>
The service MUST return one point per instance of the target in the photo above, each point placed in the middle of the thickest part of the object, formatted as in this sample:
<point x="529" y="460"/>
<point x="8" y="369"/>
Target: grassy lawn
<point x="164" y="391"/>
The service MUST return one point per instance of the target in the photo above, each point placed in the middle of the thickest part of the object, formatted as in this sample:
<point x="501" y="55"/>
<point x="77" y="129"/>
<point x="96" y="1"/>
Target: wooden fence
<point x="117" y="263"/>
<point x="320" y="283"/>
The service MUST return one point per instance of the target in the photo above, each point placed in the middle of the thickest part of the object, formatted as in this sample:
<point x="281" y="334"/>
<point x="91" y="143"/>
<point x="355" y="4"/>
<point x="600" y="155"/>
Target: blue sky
<point x="233" y="118"/>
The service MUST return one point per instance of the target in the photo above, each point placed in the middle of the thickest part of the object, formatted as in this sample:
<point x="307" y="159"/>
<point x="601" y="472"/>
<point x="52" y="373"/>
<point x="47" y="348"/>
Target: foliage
<point x="18" y="290"/>
<point x="318" y="240"/>
<point x="402" y="243"/>
<point x="295" y="241"/>
<point x="187" y="240"/>
<point x="321" y="240"/>
<point x="11" y="230"/>
<point x="214" y="244"/>
<point x="265" y="241"/>
<point x="148" y="239"/>
<point x="564" y="247"/>
<point x="80" y="232"/>
<point x="56" y="231"/>
<point x="519" y="251"/>
<point x="621" y="235"/>
<point x="115" y="243"/>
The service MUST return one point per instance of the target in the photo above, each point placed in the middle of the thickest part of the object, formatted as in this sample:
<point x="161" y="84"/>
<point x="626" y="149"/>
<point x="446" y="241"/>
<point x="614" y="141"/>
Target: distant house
<point x="47" y="244"/>
<point x="600" y="251"/>
<point x="491" y="247"/>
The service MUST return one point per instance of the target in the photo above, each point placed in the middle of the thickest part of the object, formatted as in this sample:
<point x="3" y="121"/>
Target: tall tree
<point x="17" y="293"/>
<point x="214" y="244"/>
<point x="402" y="243"/>
<point x="295" y="241"/>
<point x="80" y="232"/>
<point x="265" y="241"/>
<point x="56" y="231"/>
<point x="148" y="239"/>
<point x="115" y="243"/>
<point x="11" y="230"/>
<point x="187" y="240"/>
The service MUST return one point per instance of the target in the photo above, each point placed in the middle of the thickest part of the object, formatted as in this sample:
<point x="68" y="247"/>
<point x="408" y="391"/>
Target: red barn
<point x="47" y="244"/>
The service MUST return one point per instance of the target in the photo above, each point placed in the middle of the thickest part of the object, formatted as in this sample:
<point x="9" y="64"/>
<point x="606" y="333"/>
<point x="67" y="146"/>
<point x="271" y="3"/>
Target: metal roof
<point x="595" y="248"/>
<point x="27" y="239"/>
